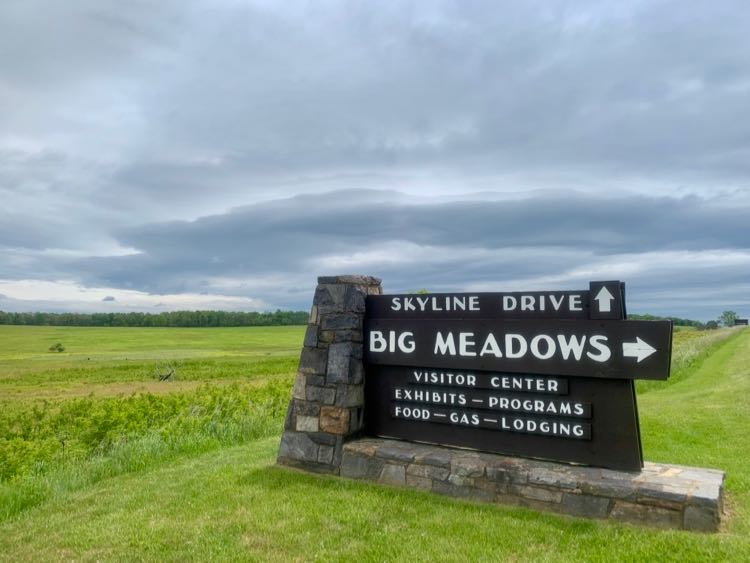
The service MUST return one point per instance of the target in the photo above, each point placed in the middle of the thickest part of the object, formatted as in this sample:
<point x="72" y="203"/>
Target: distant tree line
<point x="677" y="321"/>
<point x="727" y="318"/>
<point x="234" y="318"/>
<point x="171" y="318"/>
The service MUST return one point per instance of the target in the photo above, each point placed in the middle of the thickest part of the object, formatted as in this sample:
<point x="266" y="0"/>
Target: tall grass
<point x="53" y="449"/>
<point x="132" y="421"/>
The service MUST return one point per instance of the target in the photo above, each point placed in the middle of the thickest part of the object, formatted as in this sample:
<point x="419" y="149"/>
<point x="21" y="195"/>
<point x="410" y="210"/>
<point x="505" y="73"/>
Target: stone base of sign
<point x="664" y="496"/>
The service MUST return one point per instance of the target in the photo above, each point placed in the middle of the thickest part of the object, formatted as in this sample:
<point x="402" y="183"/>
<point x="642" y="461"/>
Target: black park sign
<point x="538" y="374"/>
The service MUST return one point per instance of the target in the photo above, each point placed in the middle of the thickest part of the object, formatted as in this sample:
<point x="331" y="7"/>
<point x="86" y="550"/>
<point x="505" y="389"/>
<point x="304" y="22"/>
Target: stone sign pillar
<point x="327" y="405"/>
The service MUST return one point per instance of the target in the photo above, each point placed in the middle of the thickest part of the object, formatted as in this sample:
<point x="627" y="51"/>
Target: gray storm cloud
<point x="451" y="245"/>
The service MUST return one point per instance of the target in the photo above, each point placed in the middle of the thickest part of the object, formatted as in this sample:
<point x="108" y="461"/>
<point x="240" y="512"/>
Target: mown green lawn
<point x="229" y="502"/>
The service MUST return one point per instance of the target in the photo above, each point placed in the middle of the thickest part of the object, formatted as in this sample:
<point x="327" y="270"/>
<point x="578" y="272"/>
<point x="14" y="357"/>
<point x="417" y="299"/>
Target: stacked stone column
<point x="327" y="405"/>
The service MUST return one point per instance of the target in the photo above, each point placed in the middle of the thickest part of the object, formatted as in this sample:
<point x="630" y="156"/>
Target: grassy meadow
<point x="100" y="460"/>
<point x="101" y="402"/>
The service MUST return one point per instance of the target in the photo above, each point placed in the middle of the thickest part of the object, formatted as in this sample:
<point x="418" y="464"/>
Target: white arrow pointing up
<point x="638" y="349"/>
<point x="604" y="297"/>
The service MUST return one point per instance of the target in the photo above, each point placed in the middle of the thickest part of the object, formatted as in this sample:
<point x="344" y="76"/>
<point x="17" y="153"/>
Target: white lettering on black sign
<point x="566" y="303"/>
<point x="493" y="401"/>
<point x="484" y="380"/>
<point x="525" y="373"/>
<point x="505" y="423"/>
<point x="442" y="303"/>
<point x="514" y="346"/>
<point x="508" y="403"/>
<point x="510" y="345"/>
<point x="589" y="348"/>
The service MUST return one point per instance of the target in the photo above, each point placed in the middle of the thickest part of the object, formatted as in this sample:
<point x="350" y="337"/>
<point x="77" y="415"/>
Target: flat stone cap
<point x="350" y="279"/>
<point x="661" y="495"/>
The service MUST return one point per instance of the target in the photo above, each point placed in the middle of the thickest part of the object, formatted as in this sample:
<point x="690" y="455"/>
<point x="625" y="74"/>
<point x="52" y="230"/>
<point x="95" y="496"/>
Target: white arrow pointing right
<point x="638" y="349"/>
<point x="604" y="297"/>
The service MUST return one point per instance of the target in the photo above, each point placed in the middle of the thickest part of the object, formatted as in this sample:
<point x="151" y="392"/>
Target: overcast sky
<point x="223" y="154"/>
